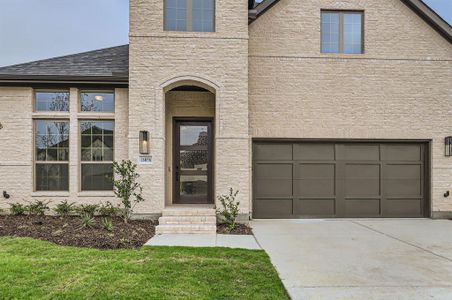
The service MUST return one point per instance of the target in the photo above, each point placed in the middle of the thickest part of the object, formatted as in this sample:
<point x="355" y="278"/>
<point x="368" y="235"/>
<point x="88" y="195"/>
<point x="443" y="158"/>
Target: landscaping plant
<point x="107" y="224"/>
<point x="126" y="187"/>
<point x="64" y="208"/>
<point x="109" y="210"/>
<point x="17" y="209"/>
<point x="230" y="211"/>
<point x="37" y="207"/>
<point x="87" y="209"/>
<point x="87" y="220"/>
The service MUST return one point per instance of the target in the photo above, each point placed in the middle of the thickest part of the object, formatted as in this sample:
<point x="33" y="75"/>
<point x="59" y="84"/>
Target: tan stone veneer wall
<point x="400" y="88"/>
<point x="183" y="104"/>
<point x="160" y="60"/>
<point x="17" y="146"/>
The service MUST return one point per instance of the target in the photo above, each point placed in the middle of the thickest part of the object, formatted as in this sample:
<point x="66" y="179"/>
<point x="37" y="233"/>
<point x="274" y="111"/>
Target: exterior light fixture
<point x="144" y="142"/>
<point x="448" y="146"/>
<point x="99" y="98"/>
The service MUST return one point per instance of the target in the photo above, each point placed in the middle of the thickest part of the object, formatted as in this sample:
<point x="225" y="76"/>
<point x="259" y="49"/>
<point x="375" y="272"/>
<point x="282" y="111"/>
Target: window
<point x="342" y="32"/>
<point x="96" y="138"/>
<point x="52" y="101"/>
<point x="97" y="101"/>
<point x="190" y="15"/>
<point x="51" y="155"/>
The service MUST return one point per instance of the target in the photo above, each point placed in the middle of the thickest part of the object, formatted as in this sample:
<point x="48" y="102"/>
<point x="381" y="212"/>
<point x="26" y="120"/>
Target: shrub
<point x="17" y="209"/>
<point x="64" y="208"/>
<point x="127" y="188"/>
<point x="107" y="224"/>
<point x="228" y="214"/>
<point x="37" y="207"/>
<point x="87" y="220"/>
<point x="87" y="209"/>
<point x="109" y="210"/>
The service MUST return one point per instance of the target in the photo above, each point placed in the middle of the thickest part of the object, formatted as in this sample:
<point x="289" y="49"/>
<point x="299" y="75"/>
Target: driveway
<point x="360" y="259"/>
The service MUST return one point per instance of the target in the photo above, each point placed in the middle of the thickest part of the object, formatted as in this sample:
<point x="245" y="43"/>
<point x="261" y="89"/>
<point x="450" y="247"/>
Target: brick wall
<point x="400" y="88"/>
<point x="17" y="146"/>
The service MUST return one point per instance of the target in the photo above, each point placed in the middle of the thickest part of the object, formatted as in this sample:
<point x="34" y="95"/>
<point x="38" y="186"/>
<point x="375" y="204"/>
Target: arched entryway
<point x="189" y="142"/>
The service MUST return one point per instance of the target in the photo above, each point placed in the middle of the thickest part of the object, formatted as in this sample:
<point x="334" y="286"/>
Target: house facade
<point x="307" y="108"/>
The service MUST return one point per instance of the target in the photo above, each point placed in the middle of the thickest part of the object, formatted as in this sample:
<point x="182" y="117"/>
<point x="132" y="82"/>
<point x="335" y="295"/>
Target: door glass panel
<point x="192" y="164"/>
<point x="193" y="160"/>
<point x="193" y="135"/>
<point x="193" y="185"/>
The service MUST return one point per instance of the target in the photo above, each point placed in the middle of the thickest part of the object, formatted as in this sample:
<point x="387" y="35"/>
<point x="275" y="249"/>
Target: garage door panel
<point x="274" y="171"/>
<point x="399" y="171"/>
<point x="358" y="152"/>
<point x="362" y="207"/>
<point x="273" y="208"/>
<point x="403" y="187"/>
<point x="313" y="152"/>
<point x="362" y="180"/>
<point x="403" y="207"/>
<point x="273" y="152"/>
<point x="273" y="187"/>
<point x="273" y="179"/>
<point x="401" y="152"/>
<point x="314" y="207"/>
<point x="314" y="180"/>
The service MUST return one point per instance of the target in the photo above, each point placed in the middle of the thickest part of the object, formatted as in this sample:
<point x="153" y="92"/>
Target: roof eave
<point x="25" y="80"/>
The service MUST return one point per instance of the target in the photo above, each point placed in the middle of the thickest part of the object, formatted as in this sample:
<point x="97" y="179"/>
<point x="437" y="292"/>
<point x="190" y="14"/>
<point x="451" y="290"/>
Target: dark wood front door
<point x="192" y="172"/>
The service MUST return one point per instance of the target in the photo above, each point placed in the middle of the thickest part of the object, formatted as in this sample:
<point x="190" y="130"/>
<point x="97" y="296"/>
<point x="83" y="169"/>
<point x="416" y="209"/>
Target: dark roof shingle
<point x="109" y="62"/>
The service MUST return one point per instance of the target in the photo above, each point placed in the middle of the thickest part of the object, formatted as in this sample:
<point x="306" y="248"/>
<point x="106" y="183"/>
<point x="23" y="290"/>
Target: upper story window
<point x="97" y="101"/>
<point x="190" y="15"/>
<point x="342" y="32"/>
<point x="52" y="101"/>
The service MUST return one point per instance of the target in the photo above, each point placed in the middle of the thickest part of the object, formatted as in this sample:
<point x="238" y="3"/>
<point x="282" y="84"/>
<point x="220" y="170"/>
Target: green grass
<point x="32" y="269"/>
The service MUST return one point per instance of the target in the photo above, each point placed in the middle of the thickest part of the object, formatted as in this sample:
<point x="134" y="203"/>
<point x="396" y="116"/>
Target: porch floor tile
<point x="205" y="240"/>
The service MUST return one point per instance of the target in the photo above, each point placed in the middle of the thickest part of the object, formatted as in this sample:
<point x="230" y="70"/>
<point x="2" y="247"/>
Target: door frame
<point x="210" y="160"/>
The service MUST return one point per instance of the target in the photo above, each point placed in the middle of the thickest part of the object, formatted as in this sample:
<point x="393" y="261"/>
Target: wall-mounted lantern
<point x="448" y="146"/>
<point x="144" y="142"/>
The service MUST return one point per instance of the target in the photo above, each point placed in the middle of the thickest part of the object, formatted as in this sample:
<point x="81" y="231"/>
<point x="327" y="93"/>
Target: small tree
<point x="230" y="211"/>
<point x="126" y="187"/>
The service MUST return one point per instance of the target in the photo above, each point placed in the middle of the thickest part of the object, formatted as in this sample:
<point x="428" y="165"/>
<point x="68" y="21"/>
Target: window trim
<point x="81" y="162"/>
<point x="51" y="90"/>
<point x="190" y="18"/>
<point x="101" y="113"/>
<point x="35" y="161"/>
<point x="341" y="13"/>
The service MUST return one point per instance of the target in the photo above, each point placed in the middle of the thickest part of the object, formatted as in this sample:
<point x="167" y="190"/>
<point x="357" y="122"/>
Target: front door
<point x="192" y="161"/>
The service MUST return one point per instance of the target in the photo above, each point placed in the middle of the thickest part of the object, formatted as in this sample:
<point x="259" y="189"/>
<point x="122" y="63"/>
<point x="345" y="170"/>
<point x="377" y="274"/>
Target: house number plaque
<point x="145" y="160"/>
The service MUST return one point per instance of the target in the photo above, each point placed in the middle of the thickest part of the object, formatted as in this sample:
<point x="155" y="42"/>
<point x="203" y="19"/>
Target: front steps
<point x="187" y="220"/>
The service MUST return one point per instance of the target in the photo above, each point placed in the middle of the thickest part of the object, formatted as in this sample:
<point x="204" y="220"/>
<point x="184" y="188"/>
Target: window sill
<point x="51" y="115"/>
<point x="96" y="194"/>
<point x="343" y="55"/>
<point x="50" y="194"/>
<point x="96" y="116"/>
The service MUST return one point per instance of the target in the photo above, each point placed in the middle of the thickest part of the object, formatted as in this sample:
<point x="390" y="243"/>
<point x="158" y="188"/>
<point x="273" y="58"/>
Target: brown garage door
<point x="313" y="179"/>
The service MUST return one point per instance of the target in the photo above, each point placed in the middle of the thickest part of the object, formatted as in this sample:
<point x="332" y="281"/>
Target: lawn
<point x="32" y="269"/>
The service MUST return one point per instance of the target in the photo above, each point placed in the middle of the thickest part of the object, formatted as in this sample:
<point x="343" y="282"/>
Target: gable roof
<point x="109" y="65"/>
<point x="418" y="6"/>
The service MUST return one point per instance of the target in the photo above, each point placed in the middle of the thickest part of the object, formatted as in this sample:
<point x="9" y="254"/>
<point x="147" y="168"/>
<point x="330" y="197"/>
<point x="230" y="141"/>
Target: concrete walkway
<point x="205" y="240"/>
<point x="360" y="259"/>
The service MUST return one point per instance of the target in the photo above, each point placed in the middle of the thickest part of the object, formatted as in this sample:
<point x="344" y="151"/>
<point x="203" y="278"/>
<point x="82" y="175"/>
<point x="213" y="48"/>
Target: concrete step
<point x="186" y="228"/>
<point x="181" y="220"/>
<point x="170" y="212"/>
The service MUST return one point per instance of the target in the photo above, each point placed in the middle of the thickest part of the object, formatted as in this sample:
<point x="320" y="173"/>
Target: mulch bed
<point x="240" y="229"/>
<point x="68" y="231"/>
